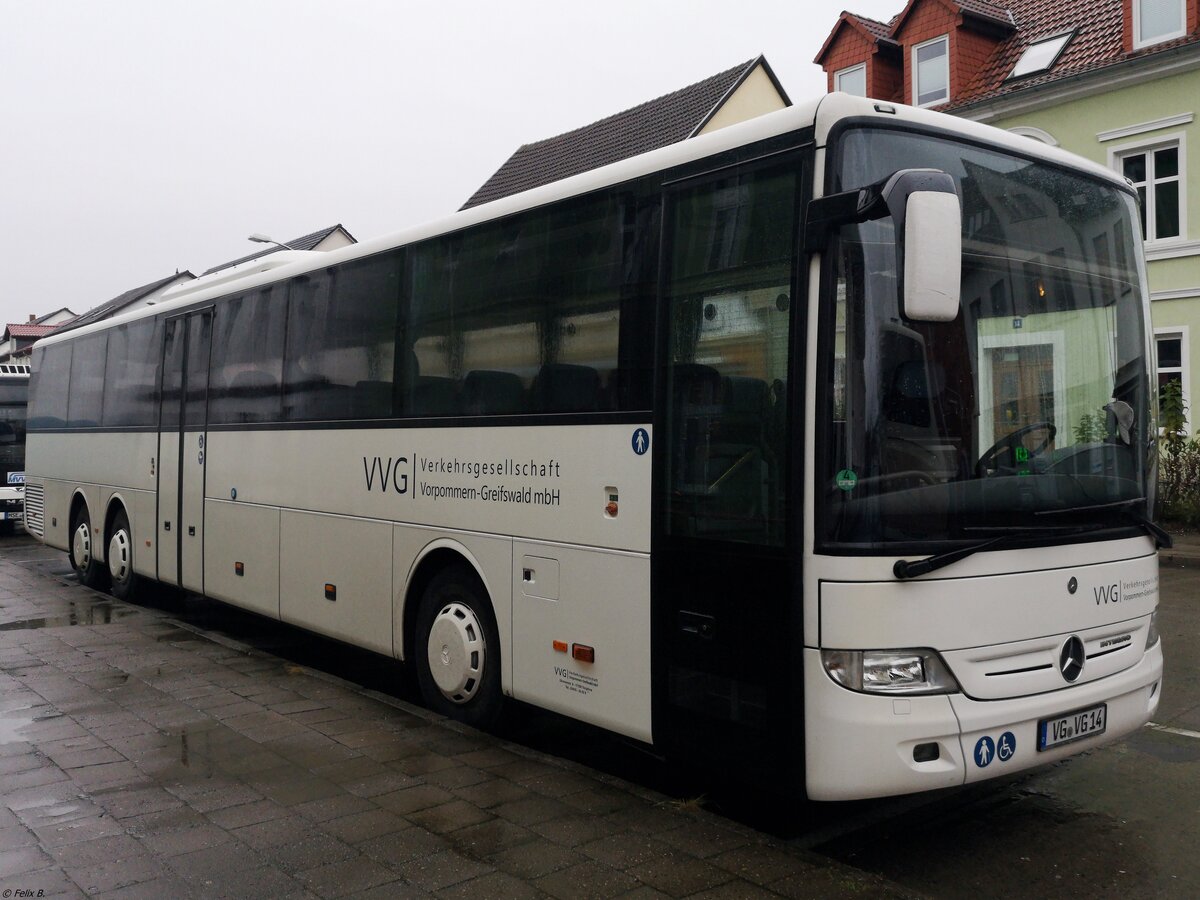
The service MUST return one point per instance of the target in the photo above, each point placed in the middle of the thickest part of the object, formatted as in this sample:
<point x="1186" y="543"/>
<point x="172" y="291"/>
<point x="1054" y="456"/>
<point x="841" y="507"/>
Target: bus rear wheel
<point x="120" y="558"/>
<point x="457" y="650"/>
<point x="91" y="573"/>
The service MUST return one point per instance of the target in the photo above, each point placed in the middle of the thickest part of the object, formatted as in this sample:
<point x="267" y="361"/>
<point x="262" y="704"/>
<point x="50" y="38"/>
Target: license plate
<point x="1074" y="726"/>
<point x="12" y="516"/>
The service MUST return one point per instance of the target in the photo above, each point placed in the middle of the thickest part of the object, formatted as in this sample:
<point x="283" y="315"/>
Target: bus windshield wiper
<point x="1131" y="508"/>
<point x="913" y="568"/>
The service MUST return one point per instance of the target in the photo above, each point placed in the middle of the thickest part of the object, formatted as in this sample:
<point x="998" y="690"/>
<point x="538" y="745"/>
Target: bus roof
<point x="822" y="114"/>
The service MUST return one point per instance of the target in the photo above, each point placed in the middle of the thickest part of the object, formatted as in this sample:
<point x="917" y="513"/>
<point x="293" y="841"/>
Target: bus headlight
<point x="1152" y="631"/>
<point x="889" y="671"/>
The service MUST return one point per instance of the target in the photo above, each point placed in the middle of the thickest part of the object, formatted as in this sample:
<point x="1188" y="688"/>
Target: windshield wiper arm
<point x="912" y="568"/>
<point x="906" y="568"/>
<point x="1162" y="540"/>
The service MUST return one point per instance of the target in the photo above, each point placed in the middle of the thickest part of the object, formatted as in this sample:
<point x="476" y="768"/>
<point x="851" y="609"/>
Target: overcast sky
<point x="138" y="137"/>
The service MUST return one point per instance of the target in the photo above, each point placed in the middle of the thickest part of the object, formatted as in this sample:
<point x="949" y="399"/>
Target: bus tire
<point x="83" y="558"/>
<point x="120" y="558"/>
<point x="457" y="650"/>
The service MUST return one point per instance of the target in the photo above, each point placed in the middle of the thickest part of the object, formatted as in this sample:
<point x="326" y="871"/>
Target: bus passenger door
<point x="181" y="450"/>
<point x="725" y="640"/>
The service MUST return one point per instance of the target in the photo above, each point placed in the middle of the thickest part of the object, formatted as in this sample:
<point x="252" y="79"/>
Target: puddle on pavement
<point x="101" y="613"/>
<point x="11" y="727"/>
<point x="13" y="722"/>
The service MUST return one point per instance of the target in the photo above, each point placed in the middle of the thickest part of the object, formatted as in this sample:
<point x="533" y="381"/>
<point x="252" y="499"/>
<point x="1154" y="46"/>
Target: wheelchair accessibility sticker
<point x="986" y="749"/>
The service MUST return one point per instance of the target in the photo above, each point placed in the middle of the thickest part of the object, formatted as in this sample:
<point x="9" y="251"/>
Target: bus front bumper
<point x="861" y="745"/>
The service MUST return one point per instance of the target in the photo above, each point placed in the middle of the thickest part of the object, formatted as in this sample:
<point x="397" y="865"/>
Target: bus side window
<point x="86" y="399"/>
<point x="247" y="358"/>
<point x="48" y="386"/>
<point x="342" y="326"/>
<point x="523" y="315"/>
<point x="131" y="374"/>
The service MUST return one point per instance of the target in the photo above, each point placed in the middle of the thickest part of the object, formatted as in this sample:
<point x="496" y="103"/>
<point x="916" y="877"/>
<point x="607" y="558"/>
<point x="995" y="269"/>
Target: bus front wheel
<point x="83" y="558"/>
<point x="120" y="558"/>
<point x="458" y="650"/>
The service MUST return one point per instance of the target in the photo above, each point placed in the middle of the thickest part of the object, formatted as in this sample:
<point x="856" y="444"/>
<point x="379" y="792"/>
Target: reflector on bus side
<point x="583" y="653"/>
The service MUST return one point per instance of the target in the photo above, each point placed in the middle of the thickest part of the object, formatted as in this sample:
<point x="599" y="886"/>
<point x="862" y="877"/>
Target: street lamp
<point x="263" y="239"/>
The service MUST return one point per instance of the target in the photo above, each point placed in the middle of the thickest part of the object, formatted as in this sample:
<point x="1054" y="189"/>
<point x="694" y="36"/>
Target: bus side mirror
<point x="932" y="248"/>
<point x="927" y="216"/>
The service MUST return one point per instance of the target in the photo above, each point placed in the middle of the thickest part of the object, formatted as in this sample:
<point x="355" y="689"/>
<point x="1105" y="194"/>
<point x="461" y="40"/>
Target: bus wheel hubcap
<point x="119" y="556"/>
<point x="456" y="652"/>
<point x="82" y="546"/>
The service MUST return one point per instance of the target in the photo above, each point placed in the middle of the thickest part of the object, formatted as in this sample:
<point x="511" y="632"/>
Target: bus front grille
<point x="35" y="509"/>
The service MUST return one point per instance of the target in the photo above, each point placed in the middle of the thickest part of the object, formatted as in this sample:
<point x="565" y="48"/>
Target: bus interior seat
<point x="746" y="402"/>
<point x="564" y="387"/>
<point x="435" y="395"/>
<point x="319" y="399"/>
<point x="695" y="385"/>
<point x="488" y="393"/>
<point x="372" y="400"/>
<point x="252" y="396"/>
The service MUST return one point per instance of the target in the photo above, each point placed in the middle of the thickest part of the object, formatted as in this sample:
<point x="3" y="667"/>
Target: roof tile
<point x="26" y="331"/>
<point x="1098" y="42"/>
<point x="649" y="126"/>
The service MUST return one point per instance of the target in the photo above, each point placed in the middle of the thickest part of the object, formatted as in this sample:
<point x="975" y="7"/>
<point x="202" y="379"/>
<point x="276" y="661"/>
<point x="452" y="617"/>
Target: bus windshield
<point x="1030" y="413"/>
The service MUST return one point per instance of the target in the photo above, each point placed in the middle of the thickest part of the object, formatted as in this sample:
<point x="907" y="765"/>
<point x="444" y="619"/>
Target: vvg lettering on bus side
<point x="393" y="470"/>
<point x="392" y="474"/>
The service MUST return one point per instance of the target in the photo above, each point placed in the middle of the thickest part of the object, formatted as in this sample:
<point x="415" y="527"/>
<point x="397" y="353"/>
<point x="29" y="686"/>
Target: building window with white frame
<point x="1155" y="21"/>
<point x="1155" y="173"/>
<point x="852" y="80"/>
<point x="1172" y="353"/>
<point x="931" y="72"/>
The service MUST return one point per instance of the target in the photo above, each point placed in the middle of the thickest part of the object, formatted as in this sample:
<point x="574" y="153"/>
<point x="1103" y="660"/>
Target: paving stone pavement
<point x="143" y="757"/>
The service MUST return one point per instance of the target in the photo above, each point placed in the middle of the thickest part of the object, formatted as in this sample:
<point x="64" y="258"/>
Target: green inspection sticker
<point x="846" y="479"/>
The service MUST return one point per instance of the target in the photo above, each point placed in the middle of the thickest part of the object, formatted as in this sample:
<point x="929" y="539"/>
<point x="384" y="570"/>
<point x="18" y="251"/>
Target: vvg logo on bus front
<point x="16" y="477"/>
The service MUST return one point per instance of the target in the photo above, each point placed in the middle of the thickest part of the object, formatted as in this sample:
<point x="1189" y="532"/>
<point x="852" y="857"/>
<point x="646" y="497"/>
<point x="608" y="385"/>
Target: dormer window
<point x="852" y="80"/>
<point x="1041" y="55"/>
<point x="1155" y="21"/>
<point x="931" y="72"/>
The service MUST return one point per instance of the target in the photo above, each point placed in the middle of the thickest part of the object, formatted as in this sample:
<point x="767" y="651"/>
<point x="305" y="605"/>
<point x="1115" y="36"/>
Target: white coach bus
<point x="819" y="449"/>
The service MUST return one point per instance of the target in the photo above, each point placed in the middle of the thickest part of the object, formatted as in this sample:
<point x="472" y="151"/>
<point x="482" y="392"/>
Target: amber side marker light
<point x="583" y="653"/>
<point x="560" y="646"/>
<point x="239" y="569"/>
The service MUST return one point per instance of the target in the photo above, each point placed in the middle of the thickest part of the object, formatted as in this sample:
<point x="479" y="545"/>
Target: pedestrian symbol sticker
<point x="985" y="749"/>
<point x="1006" y="746"/>
<point x="641" y="441"/>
